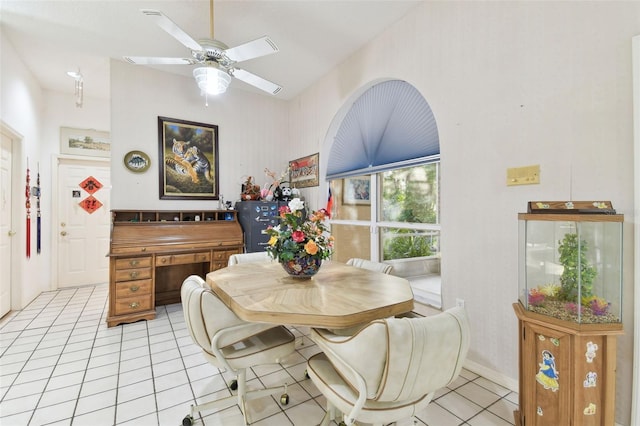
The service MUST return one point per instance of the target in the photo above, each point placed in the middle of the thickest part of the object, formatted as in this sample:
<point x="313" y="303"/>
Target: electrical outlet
<point x="460" y="303"/>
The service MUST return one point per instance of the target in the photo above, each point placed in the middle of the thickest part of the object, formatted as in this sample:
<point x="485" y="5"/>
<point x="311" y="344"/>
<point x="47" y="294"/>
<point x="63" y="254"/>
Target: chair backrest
<point x="204" y="313"/>
<point x="260" y="256"/>
<point x="370" y="265"/>
<point x="404" y="358"/>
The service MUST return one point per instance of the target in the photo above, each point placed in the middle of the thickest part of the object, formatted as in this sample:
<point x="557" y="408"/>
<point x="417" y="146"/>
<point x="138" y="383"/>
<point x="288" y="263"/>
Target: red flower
<point x="298" y="236"/>
<point x="283" y="211"/>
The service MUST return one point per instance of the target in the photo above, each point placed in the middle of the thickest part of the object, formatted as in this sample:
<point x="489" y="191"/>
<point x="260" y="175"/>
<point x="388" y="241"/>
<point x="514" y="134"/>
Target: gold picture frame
<point x="304" y="171"/>
<point x="187" y="160"/>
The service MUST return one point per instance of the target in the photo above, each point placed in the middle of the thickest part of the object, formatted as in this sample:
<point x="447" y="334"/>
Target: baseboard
<point x="494" y="376"/>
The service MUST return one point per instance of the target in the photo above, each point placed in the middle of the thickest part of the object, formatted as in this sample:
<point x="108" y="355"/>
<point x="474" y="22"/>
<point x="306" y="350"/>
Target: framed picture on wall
<point x="304" y="172"/>
<point x="85" y="142"/>
<point x="356" y="191"/>
<point x="188" y="160"/>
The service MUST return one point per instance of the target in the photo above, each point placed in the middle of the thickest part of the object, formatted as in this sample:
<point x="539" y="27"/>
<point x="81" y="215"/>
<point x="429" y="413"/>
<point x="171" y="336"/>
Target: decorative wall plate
<point x="137" y="161"/>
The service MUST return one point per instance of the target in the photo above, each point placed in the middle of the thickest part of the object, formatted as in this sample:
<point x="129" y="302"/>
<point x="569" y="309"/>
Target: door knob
<point x="63" y="233"/>
<point x="11" y="233"/>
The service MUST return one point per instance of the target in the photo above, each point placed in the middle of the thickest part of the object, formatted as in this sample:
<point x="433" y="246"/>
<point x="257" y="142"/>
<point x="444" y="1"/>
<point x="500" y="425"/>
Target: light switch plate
<point x="527" y="175"/>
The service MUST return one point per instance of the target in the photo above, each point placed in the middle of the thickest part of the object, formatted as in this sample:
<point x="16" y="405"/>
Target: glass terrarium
<point x="570" y="265"/>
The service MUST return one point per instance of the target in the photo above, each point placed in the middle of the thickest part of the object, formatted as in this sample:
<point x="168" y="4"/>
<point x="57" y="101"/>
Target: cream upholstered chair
<point x="259" y="256"/>
<point x="370" y="265"/>
<point x="391" y="368"/>
<point x="231" y="343"/>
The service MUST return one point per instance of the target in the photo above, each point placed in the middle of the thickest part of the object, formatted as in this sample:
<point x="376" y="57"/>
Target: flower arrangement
<point x="297" y="236"/>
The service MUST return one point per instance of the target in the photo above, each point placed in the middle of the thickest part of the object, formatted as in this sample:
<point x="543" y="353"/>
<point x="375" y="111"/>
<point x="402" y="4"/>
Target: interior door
<point x="6" y="232"/>
<point x="84" y="220"/>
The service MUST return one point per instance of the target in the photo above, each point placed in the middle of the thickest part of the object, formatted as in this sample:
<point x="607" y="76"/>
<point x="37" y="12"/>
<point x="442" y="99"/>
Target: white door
<point x="5" y="224"/>
<point x="84" y="220"/>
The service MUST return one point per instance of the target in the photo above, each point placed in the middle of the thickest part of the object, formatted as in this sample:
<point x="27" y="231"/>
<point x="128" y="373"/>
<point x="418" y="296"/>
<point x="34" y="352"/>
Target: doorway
<point x="82" y="226"/>
<point x="6" y="231"/>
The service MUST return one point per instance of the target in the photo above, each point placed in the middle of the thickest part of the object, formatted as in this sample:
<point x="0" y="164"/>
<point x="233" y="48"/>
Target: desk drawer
<point x="129" y="305"/>
<point x="133" y="288"/>
<point x="181" y="259"/>
<point x="133" y="274"/>
<point x="223" y="255"/>
<point x="133" y="262"/>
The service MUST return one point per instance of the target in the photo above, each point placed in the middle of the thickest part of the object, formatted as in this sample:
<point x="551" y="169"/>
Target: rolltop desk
<point x="152" y="252"/>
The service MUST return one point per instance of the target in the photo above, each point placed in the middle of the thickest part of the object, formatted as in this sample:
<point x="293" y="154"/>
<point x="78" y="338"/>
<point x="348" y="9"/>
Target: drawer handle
<point x="134" y="288"/>
<point x="134" y="262"/>
<point x="163" y="260"/>
<point x="144" y="249"/>
<point x="134" y="305"/>
<point x="133" y="274"/>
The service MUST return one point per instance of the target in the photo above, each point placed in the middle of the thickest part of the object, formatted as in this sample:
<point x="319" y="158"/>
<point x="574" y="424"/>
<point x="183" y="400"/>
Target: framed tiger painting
<point x="188" y="159"/>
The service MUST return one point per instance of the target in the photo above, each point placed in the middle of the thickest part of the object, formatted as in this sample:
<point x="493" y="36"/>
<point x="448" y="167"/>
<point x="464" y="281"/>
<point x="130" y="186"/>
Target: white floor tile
<point x="96" y="401"/>
<point x="486" y="418"/>
<point x="135" y="376"/>
<point x="308" y="412"/>
<point x="9" y="407"/>
<point x="63" y="365"/>
<point x="104" y="417"/>
<point x="460" y="405"/>
<point x="169" y="380"/>
<point x="69" y="393"/>
<point x="100" y="385"/>
<point x="136" y="408"/>
<point x="134" y="391"/>
<point x="66" y="380"/>
<point x="53" y="413"/>
<point x="173" y="396"/>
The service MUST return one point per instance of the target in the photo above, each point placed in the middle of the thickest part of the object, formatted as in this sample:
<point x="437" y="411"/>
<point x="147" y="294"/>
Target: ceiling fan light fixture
<point x="212" y="80"/>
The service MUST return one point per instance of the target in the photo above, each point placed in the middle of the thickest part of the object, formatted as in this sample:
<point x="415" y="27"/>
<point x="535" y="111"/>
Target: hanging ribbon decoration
<point x="37" y="194"/>
<point x="27" y="193"/>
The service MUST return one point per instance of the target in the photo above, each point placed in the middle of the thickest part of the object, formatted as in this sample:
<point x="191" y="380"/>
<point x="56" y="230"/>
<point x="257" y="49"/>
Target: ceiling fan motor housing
<point x="212" y="50"/>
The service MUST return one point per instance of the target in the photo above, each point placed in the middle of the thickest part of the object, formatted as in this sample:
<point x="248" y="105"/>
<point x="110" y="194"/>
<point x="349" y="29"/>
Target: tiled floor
<point x="61" y="365"/>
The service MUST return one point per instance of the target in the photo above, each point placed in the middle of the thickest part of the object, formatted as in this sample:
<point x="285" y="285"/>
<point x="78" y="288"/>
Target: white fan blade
<point x="174" y="30"/>
<point x="255" y="81"/>
<point x="253" y="49"/>
<point x="143" y="60"/>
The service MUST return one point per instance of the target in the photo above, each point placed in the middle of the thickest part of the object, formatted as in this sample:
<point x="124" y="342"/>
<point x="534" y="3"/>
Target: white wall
<point x="510" y="84"/>
<point x="21" y="108"/>
<point x="252" y="133"/>
<point x="37" y="116"/>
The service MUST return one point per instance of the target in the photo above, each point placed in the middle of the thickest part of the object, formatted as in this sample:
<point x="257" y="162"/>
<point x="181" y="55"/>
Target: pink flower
<point x="283" y="211"/>
<point x="298" y="236"/>
<point x="536" y="298"/>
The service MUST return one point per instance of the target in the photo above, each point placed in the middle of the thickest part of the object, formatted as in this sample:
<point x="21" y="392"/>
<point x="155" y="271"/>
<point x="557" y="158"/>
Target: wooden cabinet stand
<point x="567" y="371"/>
<point x="152" y="252"/>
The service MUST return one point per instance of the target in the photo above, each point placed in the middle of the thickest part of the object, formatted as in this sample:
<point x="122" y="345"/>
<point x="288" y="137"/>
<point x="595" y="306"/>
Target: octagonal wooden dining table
<point x="339" y="296"/>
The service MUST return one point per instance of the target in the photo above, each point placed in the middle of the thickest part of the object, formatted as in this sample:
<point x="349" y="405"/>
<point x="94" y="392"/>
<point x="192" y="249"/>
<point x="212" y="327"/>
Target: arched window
<point x="384" y="172"/>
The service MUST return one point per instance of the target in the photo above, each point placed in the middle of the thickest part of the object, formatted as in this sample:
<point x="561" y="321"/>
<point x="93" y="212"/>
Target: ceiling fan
<point x="217" y="61"/>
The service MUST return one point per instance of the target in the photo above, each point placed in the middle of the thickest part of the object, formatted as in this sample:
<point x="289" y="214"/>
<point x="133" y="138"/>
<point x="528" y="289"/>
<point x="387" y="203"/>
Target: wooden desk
<point x="152" y="252"/>
<point x="338" y="296"/>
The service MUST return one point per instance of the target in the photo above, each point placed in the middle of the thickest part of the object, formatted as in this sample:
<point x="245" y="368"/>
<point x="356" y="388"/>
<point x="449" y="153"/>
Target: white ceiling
<point x="55" y="36"/>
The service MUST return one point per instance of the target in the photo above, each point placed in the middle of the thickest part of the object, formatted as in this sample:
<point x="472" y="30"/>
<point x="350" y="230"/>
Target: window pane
<point x="411" y="194"/>
<point x="352" y="198"/>
<point x="406" y="243"/>
<point x="351" y="241"/>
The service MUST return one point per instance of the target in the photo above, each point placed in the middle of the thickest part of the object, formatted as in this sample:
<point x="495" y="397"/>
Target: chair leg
<point x="329" y="415"/>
